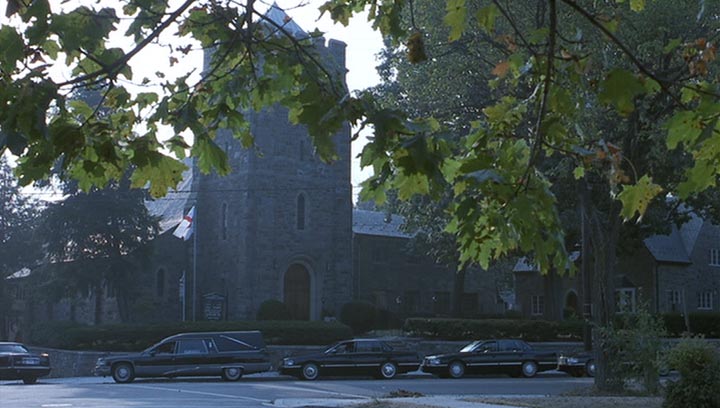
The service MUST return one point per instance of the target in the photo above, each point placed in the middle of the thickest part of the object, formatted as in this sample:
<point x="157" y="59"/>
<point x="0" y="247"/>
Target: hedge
<point x="135" y="337"/>
<point x="707" y="324"/>
<point x="466" y="329"/>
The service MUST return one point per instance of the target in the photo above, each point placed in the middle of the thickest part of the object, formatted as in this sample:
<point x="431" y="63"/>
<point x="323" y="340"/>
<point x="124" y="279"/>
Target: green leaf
<point x="672" y="45"/>
<point x="635" y="199"/>
<point x="160" y="172"/>
<point x="683" y="127"/>
<point x="579" y="172"/>
<point x="620" y="89"/>
<point x="637" y="5"/>
<point x="210" y="156"/>
<point x="486" y="17"/>
<point x="456" y="18"/>
<point x="13" y="48"/>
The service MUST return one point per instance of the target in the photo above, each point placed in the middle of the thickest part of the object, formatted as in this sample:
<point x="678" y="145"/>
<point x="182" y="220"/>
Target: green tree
<point x="18" y="247"/>
<point x="610" y="149"/>
<point x="97" y="241"/>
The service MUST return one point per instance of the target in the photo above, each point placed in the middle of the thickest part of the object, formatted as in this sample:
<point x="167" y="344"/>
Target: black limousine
<point x="225" y="354"/>
<point x="19" y="363"/>
<point x="373" y="357"/>
<point x="506" y="356"/>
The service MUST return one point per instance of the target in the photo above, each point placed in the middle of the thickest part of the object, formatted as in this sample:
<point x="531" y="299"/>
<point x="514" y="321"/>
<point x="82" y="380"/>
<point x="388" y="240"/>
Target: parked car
<point x="513" y="357"/>
<point x="227" y="354"/>
<point x="374" y="357"/>
<point x="578" y="364"/>
<point x="18" y="363"/>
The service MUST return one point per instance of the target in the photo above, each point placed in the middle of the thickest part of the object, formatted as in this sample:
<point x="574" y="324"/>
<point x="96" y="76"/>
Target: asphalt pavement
<point x="271" y="390"/>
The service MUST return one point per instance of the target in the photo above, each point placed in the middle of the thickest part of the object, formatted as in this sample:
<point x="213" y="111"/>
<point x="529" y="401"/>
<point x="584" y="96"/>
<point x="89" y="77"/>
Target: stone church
<point x="280" y="226"/>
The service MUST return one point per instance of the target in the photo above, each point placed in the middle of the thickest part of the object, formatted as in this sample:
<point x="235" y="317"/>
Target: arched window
<point x="301" y="212"/>
<point x="160" y="282"/>
<point x="224" y="220"/>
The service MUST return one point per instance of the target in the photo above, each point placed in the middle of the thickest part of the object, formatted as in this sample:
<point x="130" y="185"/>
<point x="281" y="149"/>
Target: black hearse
<point x="226" y="354"/>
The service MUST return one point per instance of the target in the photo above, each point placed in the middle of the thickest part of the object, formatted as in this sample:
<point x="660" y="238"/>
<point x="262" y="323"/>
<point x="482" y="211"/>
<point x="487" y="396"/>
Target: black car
<point x="372" y="357"/>
<point x="18" y="363"/>
<point x="227" y="354"/>
<point x="513" y="357"/>
<point x="577" y="365"/>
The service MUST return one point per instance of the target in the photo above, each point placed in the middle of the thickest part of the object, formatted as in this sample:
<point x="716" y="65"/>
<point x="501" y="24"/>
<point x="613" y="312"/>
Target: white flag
<point x="184" y="230"/>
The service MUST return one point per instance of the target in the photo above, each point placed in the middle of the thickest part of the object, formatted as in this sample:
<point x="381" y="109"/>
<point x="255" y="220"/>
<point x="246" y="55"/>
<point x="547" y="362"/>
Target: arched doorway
<point x="297" y="292"/>
<point x="571" y="305"/>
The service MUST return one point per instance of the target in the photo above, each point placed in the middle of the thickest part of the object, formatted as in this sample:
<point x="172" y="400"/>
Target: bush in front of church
<point x="273" y="309"/>
<point x="360" y="316"/>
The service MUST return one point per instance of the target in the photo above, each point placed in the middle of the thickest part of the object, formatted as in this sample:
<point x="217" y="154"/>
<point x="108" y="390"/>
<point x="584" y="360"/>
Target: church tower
<point x="279" y="226"/>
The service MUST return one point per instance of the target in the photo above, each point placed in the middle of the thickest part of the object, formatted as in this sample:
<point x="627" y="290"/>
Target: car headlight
<point x="572" y="360"/>
<point x="433" y="361"/>
<point x="288" y="362"/>
<point x="100" y="362"/>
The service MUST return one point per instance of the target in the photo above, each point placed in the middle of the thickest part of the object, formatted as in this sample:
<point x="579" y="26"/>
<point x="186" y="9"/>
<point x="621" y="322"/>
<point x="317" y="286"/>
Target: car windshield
<point x="13" y="348"/>
<point x="470" y="347"/>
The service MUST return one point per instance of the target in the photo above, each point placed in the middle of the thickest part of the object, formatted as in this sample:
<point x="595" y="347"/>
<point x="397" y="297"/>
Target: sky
<point x="363" y="43"/>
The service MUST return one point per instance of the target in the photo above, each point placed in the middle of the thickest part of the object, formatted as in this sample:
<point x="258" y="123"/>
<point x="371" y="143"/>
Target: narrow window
<point x="715" y="257"/>
<point x="160" y="284"/>
<point x="301" y="212"/>
<point x="537" y="305"/>
<point x="302" y="150"/>
<point x="705" y="300"/>
<point x="673" y="300"/>
<point x="224" y="220"/>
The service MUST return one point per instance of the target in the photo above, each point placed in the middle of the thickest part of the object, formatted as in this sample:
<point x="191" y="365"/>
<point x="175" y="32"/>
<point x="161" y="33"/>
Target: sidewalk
<point x="440" y="401"/>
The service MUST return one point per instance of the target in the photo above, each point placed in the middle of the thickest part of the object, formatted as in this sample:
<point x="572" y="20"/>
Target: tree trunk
<point x="458" y="292"/>
<point x="604" y="242"/>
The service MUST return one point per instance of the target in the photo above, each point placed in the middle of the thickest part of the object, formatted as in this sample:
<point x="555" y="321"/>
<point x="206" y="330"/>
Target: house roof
<point x="379" y="224"/>
<point x="669" y="248"/>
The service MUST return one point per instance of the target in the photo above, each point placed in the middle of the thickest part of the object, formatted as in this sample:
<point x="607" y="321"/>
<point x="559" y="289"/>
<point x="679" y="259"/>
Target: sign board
<point x="213" y="306"/>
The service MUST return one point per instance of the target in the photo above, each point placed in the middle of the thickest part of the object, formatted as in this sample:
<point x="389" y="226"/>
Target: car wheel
<point x="388" y="370"/>
<point x="590" y="368"/>
<point x="123" y="373"/>
<point x="231" y="373"/>
<point x="29" y="380"/>
<point x="310" y="371"/>
<point x="529" y="369"/>
<point x="456" y="369"/>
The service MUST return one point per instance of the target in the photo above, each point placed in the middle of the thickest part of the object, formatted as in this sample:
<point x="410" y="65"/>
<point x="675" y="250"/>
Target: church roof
<point x="281" y="19"/>
<point x="171" y="208"/>
<point x="379" y="224"/>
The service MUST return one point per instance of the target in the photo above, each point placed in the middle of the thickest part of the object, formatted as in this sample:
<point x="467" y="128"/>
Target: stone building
<point x="674" y="273"/>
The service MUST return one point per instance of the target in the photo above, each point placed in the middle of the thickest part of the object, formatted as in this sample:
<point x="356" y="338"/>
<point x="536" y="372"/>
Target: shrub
<point x="699" y="366"/>
<point x="360" y="316"/>
<point x="701" y="323"/>
<point x="463" y="329"/>
<point x="127" y="337"/>
<point x="273" y="309"/>
<point x="634" y="348"/>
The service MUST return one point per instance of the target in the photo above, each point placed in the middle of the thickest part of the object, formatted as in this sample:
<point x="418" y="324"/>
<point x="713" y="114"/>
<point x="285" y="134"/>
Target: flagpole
<point x="195" y="243"/>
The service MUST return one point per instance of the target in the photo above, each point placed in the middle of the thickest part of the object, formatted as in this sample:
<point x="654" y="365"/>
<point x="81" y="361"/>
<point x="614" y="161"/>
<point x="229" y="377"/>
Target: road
<point x="259" y="391"/>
